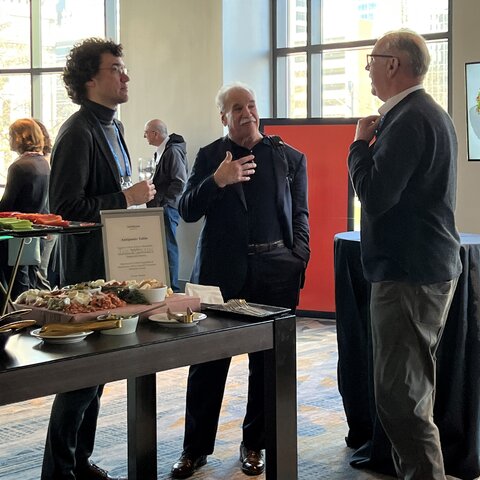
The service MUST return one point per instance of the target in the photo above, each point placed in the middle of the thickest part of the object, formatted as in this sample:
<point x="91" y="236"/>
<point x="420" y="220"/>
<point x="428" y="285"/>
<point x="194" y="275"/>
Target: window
<point x="35" y="38"/>
<point x="319" y="56"/>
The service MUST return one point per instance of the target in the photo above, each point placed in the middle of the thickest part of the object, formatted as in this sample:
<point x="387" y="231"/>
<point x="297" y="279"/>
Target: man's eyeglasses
<point x="371" y="56"/>
<point x="120" y="69"/>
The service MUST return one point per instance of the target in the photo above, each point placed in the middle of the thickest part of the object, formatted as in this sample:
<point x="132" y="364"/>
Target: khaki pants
<point x="407" y="324"/>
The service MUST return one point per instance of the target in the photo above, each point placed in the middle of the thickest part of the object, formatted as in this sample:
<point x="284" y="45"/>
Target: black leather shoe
<point x="187" y="464"/>
<point x="252" y="461"/>
<point x="93" y="472"/>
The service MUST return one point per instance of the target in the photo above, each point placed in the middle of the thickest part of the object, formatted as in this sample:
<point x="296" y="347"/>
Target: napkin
<point x="206" y="293"/>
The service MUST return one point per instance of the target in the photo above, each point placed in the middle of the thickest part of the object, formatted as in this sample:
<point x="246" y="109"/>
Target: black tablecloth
<point x="457" y="406"/>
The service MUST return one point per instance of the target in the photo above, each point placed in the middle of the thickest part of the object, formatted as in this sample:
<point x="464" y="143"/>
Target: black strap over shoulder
<point x="279" y="145"/>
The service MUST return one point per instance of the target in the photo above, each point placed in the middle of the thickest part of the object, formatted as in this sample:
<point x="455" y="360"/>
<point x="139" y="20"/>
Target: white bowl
<point x="129" y="324"/>
<point x="154" y="295"/>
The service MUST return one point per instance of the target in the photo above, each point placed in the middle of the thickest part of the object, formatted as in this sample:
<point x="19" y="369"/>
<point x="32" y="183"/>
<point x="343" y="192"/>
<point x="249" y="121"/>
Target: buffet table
<point x="457" y="406"/>
<point x="37" y="231"/>
<point x="30" y="368"/>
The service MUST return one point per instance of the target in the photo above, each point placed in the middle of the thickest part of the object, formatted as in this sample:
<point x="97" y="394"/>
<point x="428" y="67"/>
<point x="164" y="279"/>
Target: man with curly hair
<point x="90" y="172"/>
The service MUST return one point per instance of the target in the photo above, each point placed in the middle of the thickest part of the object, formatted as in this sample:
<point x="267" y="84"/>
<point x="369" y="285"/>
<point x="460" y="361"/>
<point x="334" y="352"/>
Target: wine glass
<point x="146" y="168"/>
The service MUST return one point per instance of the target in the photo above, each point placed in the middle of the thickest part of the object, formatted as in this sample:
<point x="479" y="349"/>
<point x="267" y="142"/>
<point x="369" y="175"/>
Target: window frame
<point x="35" y="73"/>
<point x="310" y="49"/>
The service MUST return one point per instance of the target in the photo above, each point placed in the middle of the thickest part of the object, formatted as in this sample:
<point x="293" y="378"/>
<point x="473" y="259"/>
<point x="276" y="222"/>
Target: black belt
<point x="264" y="247"/>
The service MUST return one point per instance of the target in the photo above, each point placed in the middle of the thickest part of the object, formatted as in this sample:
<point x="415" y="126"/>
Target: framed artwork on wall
<point x="472" y="88"/>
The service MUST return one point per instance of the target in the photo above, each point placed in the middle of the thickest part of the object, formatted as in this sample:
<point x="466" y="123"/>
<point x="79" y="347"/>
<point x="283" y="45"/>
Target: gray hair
<point x="159" y="126"/>
<point x="223" y="93"/>
<point x="413" y="45"/>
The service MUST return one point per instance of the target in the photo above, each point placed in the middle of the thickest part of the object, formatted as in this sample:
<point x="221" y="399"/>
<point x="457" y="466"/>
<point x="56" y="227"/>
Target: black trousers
<point x="71" y="433"/>
<point x="273" y="279"/>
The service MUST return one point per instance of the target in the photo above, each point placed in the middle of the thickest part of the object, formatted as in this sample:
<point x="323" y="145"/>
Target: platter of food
<point x="20" y="224"/>
<point x="84" y="301"/>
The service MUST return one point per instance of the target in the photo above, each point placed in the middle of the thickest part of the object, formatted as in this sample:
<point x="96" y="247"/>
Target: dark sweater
<point x="171" y="173"/>
<point x="406" y="183"/>
<point x="27" y="185"/>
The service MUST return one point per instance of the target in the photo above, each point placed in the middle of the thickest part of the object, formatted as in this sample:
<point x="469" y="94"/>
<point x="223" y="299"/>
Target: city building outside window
<point x="35" y="38"/>
<point x="321" y="46"/>
<point x="320" y="49"/>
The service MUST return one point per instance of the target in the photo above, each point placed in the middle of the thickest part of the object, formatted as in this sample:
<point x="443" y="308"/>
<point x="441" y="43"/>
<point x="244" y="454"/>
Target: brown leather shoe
<point x="252" y="461"/>
<point x="187" y="464"/>
<point x="93" y="472"/>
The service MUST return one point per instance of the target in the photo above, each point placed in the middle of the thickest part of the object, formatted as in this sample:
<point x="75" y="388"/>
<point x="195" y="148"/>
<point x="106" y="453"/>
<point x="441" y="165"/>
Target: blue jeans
<point x="171" y="218"/>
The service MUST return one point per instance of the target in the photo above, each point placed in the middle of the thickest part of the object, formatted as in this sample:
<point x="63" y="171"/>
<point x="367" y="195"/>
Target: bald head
<point x="155" y="132"/>
<point x="399" y="61"/>
<point x="412" y="50"/>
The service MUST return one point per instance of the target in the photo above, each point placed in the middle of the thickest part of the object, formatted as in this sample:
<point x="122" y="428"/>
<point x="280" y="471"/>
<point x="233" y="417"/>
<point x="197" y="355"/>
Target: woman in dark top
<point x="48" y="271"/>
<point x="26" y="189"/>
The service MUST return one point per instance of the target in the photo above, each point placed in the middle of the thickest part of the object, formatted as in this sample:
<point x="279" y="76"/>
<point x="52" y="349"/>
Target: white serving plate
<point x="163" y="320"/>
<point x="61" y="339"/>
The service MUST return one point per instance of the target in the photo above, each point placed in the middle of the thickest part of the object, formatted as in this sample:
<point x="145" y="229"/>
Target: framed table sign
<point x="134" y="244"/>
<point x="472" y="84"/>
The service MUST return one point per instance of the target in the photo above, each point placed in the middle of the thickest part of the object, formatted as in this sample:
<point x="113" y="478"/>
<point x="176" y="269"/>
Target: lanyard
<point x="126" y="162"/>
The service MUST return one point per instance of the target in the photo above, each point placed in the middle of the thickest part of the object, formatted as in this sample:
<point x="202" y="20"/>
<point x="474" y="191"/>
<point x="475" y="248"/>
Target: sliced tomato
<point x="53" y="222"/>
<point x="28" y="216"/>
<point x="46" y="219"/>
<point x="8" y="214"/>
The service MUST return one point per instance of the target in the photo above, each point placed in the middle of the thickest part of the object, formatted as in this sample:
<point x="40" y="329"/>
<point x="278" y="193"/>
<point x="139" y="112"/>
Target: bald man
<point x="403" y="166"/>
<point x="169" y="180"/>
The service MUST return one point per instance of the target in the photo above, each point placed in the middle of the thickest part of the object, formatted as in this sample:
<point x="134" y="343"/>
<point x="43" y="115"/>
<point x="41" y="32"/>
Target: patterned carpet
<point x="321" y="421"/>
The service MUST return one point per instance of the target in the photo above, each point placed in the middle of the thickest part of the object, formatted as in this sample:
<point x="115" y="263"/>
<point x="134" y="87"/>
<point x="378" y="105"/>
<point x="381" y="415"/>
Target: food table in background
<point x="38" y="231"/>
<point x="457" y="405"/>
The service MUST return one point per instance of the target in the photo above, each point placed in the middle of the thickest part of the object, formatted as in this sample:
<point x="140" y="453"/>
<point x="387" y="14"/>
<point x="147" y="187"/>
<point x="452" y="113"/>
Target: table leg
<point x="8" y="293"/>
<point x="142" y="427"/>
<point x="281" y="402"/>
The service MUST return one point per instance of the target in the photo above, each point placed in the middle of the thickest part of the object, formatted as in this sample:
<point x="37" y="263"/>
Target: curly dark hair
<point x="83" y="63"/>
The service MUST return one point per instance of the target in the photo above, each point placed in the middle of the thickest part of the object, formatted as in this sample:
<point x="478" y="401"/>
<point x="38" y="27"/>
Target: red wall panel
<point x="326" y="149"/>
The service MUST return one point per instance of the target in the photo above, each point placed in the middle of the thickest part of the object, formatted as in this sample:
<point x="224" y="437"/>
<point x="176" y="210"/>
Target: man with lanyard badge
<point x="90" y="172"/>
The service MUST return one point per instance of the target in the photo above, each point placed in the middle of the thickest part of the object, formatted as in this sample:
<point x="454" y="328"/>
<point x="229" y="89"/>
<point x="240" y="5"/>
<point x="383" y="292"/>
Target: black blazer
<point x="221" y="257"/>
<point x="84" y="179"/>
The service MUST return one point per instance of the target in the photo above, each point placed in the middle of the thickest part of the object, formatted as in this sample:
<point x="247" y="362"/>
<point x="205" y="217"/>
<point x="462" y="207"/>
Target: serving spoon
<point x="15" y="313"/>
<point x="17" y="325"/>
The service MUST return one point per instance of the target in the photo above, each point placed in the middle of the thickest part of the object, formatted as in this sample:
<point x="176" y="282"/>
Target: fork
<point x="241" y="304"/>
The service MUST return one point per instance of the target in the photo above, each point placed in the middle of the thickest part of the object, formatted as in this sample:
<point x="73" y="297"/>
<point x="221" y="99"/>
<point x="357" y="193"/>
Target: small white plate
<point x="69" y="338"/>
<point x="164" y="321"/>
